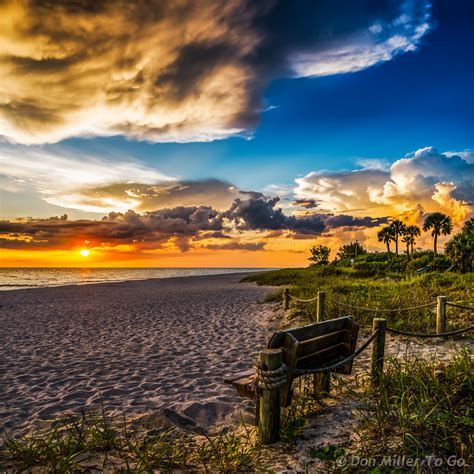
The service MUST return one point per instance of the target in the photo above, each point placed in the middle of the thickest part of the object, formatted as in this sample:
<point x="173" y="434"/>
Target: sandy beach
<point x="141" y="346"/>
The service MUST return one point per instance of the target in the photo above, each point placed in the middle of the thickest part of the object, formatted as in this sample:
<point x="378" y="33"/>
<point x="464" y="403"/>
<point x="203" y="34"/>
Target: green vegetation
<point x="461" y="248"/>
<point x="420" y="409"/>
<point x="350" y="251"/>
<point x="98" y="442"/>
<point x="386" y="281"/>
<point x="319" y="255"/>
<point x="371" y="283"/>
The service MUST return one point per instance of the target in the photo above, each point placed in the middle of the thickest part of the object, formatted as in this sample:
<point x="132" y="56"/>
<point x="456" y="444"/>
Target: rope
<point x="460" y="306"/>
<point x="329" y="368"/>
<point x="299" y="300"/>
<point x="270" y="379"/>
<point x="445" y="334"/>
<point x="381" y="310"/>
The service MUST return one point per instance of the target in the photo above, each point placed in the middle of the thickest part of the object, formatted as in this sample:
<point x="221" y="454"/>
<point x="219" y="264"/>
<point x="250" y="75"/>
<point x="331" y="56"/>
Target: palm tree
<point x="397" y="227"/>
<point x="413" y="231"/>
<point x="440" y="223"/>
<point x="461" y="250"/>
<point x="408" y="239"/>
<point x="385" y="235"/>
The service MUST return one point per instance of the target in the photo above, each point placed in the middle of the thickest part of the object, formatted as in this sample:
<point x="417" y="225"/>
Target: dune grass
<point x="392" y="291"/>
<point x="420" y="409"/>
<point x="75" y="444"/>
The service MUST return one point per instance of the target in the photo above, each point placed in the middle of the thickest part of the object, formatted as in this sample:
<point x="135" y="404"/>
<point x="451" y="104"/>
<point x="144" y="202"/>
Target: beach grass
<point x="393" y="291"/>
<point x="97" y="441"/>
<point x="420" y="409"/>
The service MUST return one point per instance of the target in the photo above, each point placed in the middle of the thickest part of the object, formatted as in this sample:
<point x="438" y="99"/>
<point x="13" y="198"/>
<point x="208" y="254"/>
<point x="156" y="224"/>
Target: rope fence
<point x="289" y="296"/>
<point x="444" y="334"/>
<point x="299" y="300"/>
<point x="455" y="305"/>
<point x="382" y="310"/>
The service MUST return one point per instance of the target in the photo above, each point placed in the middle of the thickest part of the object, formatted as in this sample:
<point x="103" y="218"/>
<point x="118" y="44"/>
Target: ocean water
<point x="21" y="278"/>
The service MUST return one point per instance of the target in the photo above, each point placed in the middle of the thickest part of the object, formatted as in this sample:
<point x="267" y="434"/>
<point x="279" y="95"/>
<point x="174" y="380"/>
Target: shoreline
<point x="243" y="272"/>
<point x="136" y="347"/>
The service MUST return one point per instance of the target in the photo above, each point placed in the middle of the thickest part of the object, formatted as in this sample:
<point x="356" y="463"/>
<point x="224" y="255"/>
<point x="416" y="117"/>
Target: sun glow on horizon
<point x="85" y="252"/>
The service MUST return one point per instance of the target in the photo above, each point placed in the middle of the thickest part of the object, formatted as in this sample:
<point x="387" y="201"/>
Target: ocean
<point x="21" y="278"/>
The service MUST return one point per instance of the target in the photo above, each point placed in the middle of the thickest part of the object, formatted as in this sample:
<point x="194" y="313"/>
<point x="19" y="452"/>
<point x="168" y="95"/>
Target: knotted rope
<point x="270" y="379"/>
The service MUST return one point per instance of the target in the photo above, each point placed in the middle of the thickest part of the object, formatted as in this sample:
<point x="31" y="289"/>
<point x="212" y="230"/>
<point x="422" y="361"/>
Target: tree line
<point x="460" y="249"/>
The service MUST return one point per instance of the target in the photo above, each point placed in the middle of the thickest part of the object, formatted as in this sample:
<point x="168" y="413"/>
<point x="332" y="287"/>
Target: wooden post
<point x="322" y="384"/>
<point x="269" y="402"/>
<point x="320" y="306"/>
<point x="378" y="347"/>
<point x="441" y="315"/>
<point x="286" y="299"/>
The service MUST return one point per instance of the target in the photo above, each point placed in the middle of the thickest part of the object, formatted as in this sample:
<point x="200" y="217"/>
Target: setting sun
<point x="85" y="252"/>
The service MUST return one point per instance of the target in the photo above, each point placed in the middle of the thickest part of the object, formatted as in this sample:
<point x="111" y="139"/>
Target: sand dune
<point x="141" y="346"/>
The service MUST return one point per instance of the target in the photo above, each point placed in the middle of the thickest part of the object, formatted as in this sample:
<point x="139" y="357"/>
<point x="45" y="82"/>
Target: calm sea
<point x="20" y="278"/>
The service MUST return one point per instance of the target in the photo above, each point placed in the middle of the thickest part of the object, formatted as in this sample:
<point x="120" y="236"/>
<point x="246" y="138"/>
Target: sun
<point x="85" y="252"/>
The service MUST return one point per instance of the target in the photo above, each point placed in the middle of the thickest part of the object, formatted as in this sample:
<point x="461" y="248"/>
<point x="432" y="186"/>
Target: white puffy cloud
<point x="423" y="181"/>
<point x="341" y="191"/>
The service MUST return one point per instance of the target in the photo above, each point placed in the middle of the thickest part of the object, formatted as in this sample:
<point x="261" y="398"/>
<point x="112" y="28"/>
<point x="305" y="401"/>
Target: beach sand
<point x="140" y="346"/>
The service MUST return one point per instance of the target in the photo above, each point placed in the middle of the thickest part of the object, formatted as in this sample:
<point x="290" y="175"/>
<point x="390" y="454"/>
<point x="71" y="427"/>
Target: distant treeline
<point x="458" y="254"/>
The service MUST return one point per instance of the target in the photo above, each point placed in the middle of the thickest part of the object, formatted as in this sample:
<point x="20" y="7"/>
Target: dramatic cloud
<point x="424" y="181"/>
<point x="260" y="213"/>
<point x="178" y="70"/>
<point x="182" y="225"/>
<point x="82" y="182"/>
<point x="210" y="192"/>
<point x="341" y="191"/>
<point x="66" y="180"/>
<point x="306" y="203"/>
<point x="237" y="245"/>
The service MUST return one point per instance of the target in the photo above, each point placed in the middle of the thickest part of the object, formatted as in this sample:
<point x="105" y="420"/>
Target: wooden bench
<point x="308" y="347"/>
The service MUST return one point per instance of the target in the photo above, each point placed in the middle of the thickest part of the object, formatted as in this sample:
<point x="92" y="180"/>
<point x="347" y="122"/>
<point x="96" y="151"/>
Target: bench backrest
<point x="316" y="345"/>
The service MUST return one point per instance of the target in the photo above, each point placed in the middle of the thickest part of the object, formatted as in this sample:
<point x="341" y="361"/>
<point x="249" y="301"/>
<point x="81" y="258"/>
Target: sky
<point x="237" y="134"/>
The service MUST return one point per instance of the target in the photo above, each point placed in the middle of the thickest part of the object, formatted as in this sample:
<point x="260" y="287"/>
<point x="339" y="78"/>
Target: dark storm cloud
<point x="306" y="203"/>
<point x="262" y="214"/>
<point x="182" y="225"/>
<point x="350" y="221"/>
<point x="237" y="245"/>
<point x="167" y="70"/>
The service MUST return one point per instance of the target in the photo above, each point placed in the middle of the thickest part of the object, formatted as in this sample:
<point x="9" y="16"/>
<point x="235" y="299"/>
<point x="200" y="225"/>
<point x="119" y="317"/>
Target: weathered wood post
<point x="286" y="299"/>
<point x="378" y="347"/>
<point x="320" y="306"/>
<point x="321" y="382"/>
<point x="269" y="400"/>
<point x="441" y="315"/>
